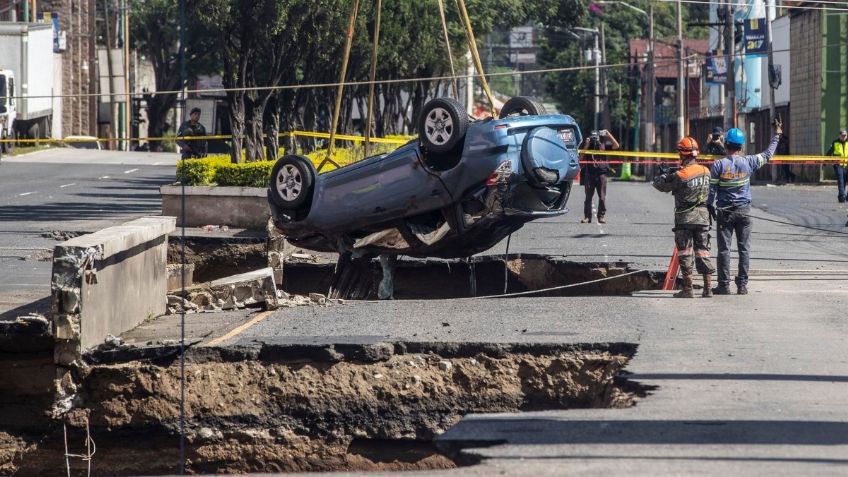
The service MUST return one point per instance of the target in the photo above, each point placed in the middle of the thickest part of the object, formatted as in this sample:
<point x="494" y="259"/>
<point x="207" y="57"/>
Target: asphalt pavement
<point x="745" y="385"/>
<point x="67" y="190"/>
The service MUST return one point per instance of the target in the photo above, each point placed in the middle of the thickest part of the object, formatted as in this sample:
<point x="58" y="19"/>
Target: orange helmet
<point x="688" y="146"/>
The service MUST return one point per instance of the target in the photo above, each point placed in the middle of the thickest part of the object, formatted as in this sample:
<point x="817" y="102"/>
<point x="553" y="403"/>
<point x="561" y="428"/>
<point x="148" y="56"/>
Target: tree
<point x="154" y="32"/>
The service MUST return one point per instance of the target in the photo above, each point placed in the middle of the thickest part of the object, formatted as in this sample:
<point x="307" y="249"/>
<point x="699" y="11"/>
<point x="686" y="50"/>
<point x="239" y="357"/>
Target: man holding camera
<point x="192" y="128"/>
<point x="715" y="143"/>
<point x="593" y="175"/>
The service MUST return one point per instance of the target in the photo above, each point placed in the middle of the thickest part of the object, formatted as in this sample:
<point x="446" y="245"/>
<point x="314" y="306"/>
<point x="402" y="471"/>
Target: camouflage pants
<point x="693" y="249"/>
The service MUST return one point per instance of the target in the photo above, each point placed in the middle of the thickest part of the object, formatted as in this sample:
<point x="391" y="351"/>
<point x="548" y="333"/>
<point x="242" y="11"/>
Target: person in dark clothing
<point x="690" y="186"/>
<point x="783" y="150"/>
<point x="594" y="173"/>
<point x="194" y="148"/>
<point x="715" y="143"/>
<point x="730" y="195"/>
<point x="839" y="148"/>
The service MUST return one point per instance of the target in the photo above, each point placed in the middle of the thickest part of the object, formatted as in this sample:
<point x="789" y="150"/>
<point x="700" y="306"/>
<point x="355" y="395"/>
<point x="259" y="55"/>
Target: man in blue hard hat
<point x="730" y="196"/>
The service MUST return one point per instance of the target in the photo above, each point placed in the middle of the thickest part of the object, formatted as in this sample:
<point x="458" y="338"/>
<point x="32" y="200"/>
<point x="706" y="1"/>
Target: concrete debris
<point x="445" y="365"/>
<point x="61" y="235"/>
<point x="239" y="291"/>
<point x="39" y="256"/>
<point x="304" y="257"/>
<point x="389" y="238"/>
<point x="214" y="228"/>
<point x="318" y="298"/>
<point x="175" y="276"/>
<point x="113" y="341"/>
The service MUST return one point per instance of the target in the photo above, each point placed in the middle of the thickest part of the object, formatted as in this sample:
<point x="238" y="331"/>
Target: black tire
<point x="292" y="179"/>
<point x="522" y="106"/>
<point x="442" y="125"/>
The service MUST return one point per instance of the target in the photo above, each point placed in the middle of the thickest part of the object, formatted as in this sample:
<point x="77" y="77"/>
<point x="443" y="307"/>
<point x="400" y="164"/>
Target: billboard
<point x="755" y="37"/>
<point x="715" y="70"/>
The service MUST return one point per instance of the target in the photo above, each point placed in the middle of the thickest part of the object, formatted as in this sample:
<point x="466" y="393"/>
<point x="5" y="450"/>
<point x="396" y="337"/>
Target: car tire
<point x="522" y="106"/>
<point x="292" y="179"/>
<point x="442" y="125"/>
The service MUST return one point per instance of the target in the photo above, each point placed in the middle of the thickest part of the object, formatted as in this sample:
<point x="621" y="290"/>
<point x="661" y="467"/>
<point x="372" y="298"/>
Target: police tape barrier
<point x="319" y="135"/>
<point x="624" y="157"/>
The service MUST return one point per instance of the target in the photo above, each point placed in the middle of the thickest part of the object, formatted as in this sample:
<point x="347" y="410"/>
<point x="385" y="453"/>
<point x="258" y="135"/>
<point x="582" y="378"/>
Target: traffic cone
<point x="671" y="273"/>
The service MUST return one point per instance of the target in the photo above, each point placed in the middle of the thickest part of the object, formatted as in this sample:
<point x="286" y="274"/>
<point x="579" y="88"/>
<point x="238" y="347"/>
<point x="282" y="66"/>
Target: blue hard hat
<point x="735" y="136"/>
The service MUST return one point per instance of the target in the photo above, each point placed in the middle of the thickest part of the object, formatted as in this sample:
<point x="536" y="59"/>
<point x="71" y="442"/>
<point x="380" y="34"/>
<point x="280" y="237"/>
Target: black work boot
<point x="721" y="289"/>
<point x="708" y="286"/>
<point x="686" y="291"/>
<point x="741" y="289"/>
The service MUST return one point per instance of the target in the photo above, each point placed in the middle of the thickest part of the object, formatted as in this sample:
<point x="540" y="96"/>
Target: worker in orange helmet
<point x="690" y="186"/>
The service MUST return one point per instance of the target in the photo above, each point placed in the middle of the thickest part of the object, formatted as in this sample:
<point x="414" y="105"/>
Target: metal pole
<point x="597" y="55"/>
<point x="730" y="83"/>
<point x="681" y="87"/>
<point x="182" y="249"/>
<point x="26" y="11"/>
<point x="378" y="4"/>
<point x="769" y="37"/>
<point x="127" y="102"/>
<point x="651" y="96"/>
<point x="605" y="116"/>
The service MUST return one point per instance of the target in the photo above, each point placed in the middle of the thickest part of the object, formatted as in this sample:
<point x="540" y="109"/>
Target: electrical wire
<point x="738" y="4"/>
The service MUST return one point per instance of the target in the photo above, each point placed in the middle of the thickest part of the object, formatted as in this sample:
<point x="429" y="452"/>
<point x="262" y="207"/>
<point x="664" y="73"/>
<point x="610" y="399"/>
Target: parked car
<point x="458" y="189"/>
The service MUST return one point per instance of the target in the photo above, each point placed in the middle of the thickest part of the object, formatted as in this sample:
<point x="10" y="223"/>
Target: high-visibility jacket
<point x="840" y="149"/>
<point x="730" y="177"/>
<point x="690" y="186"/>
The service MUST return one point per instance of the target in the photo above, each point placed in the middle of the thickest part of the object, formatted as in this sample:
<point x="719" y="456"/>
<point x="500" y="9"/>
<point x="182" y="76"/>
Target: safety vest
<point x="839" y="150"/>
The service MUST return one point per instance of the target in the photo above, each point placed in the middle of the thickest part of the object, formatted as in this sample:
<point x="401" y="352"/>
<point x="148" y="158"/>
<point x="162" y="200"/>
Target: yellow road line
<point x="240" y="328"/>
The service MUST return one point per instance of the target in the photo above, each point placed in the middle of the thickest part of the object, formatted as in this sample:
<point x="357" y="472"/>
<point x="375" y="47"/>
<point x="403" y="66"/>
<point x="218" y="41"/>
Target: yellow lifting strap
<point x="472" y="45"/>
<point x="378" y="4"/>
<point x="340" y="90"/>
<point x="448" y="47"/>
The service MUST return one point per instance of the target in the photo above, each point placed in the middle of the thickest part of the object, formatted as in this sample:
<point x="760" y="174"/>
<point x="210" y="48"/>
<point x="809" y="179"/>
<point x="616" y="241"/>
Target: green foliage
<point x="200" y="171"/>
<point x="219" y="170"/>
<point x="245" y="174"/>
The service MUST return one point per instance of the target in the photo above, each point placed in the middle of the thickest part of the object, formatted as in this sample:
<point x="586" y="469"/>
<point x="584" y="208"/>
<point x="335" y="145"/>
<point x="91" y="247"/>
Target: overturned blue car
<point x="458" y="189"/>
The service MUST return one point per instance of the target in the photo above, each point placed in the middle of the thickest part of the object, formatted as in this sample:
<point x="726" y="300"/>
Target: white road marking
<point x="157" y="163"/>
<point x="27" y="193"/>
<point x="67" y="185"/>
<point x="102" y="177"/>
<point x="129" y="171"/>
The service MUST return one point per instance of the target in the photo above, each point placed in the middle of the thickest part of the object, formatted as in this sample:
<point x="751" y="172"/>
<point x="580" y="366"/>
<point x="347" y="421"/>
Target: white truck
<point x="26" y="80"/>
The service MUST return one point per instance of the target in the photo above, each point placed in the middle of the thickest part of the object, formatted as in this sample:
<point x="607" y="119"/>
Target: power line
<point x="737" y="4"/>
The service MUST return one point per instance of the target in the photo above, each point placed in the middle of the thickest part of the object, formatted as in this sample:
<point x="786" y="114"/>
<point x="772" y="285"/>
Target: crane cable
<point x="448" y="47"/>
<point x="472" y="45"/>
<point x="378" y="6"/>
<point x="340" y="89"/>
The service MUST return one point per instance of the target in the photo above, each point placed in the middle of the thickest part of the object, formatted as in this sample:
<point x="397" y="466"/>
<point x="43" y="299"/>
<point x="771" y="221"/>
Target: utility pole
<point x="596" y="54"/>
<point x="650" y="96"/>
<point x="729" y="52"/>
<point x="605" y="113"/>
<point x="681" y="87"/>
<point x="769" y="36"/>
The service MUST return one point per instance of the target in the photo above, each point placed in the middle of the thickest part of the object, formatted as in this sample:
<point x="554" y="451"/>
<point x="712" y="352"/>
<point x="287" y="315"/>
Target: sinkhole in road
<point x="298" y="408"/>
<point x="477" y="276"/>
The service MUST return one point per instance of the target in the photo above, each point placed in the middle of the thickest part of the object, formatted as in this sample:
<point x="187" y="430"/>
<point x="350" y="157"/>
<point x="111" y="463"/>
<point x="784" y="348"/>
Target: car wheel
<point x="522" y="106"/>
<point x="291" y="181"/>
<point x="442" y="125"/>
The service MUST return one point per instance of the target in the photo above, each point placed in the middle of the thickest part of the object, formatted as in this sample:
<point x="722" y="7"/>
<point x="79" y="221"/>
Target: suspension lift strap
<point x="448" y="47"/>
<point x="378" y="4"/>
<point x="340" y="90"/>
<point x="472" y="45"/>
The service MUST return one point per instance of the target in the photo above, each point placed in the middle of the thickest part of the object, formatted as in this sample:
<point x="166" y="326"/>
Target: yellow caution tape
<point x="321" y="135"/>
<point x="625" y="156"/>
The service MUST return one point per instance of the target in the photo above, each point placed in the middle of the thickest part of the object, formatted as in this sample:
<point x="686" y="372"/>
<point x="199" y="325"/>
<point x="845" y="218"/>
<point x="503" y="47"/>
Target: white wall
<point x="782" y="57"/>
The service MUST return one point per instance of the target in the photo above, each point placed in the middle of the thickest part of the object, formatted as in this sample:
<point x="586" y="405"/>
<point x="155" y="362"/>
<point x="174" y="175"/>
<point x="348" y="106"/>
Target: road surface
<point x="67" y="190"/>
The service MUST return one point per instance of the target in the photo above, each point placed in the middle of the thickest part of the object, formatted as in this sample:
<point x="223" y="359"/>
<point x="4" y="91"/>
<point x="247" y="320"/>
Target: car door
<point x="377" y="190"/>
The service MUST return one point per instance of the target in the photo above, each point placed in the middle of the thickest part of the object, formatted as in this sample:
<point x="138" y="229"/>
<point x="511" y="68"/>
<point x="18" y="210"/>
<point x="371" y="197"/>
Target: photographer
<point x="715" y="143"/>
<point x="593" y="175"/>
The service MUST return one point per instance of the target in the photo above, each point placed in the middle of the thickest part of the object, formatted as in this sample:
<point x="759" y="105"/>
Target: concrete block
<point x="244" y="207"/>
<point x="110" y="281"/>
<point x="175" y="278"/>
<point x="246" y="289"/>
